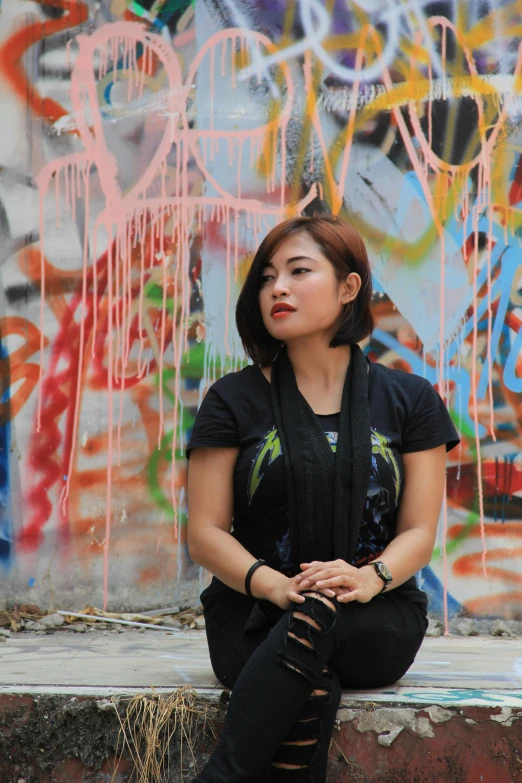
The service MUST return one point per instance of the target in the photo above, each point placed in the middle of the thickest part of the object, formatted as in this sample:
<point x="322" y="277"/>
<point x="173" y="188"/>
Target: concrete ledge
<point x="456" y="717"/>
<point x="443" y="697"/>
<point x="74" y="739"/>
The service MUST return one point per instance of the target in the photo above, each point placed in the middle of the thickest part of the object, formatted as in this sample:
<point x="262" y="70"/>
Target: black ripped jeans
<point x="286" y="680"/>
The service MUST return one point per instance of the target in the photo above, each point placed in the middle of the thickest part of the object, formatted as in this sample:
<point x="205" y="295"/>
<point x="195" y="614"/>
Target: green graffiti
<point x="160" y="455"/>
<point x="192" y="367"/>
<point x="162" y="10"/>
<point x="472" y="519"/>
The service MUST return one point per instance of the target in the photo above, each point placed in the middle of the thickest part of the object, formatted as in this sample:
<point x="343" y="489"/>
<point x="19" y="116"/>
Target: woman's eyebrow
<point x="291" y="260"/>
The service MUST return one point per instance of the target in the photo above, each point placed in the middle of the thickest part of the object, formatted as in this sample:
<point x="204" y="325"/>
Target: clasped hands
<point x="335" y="578"/>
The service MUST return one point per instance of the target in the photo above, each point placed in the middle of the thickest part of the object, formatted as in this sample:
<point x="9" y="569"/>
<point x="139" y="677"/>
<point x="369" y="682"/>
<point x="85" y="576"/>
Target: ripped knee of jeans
<point x="295" y="757"/>
<point x="311" y="619"/>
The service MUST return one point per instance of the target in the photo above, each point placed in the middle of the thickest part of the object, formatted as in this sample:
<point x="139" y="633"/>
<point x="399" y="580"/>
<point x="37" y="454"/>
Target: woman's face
<point x="300" y="276"/>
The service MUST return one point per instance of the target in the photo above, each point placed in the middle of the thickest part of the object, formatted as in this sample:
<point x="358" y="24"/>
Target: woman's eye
<point x="265" y="278"/>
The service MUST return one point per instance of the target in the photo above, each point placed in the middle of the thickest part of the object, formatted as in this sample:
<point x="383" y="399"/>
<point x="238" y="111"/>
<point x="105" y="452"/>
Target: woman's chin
<point x="282" y="335"/>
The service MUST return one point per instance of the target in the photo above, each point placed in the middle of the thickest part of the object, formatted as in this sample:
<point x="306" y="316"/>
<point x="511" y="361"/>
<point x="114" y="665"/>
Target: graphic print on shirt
<point x="382" y="496"/>
<point x="373" y="532"/>
<point x="284" y="552"/>
<point x="270" y="449"/>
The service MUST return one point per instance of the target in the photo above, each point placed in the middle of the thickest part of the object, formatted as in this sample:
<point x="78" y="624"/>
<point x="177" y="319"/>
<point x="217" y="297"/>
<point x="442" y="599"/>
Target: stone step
<point x="456" y="717"/>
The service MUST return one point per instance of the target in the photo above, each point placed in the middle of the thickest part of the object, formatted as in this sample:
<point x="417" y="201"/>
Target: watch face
<point x="384" y="571"/>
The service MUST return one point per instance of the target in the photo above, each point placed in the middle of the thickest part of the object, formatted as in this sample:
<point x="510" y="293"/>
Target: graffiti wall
<point x="146" y="146"/>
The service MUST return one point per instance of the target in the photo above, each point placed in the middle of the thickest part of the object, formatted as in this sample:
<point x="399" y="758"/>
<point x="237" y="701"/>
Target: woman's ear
<point x="350" y="287"/>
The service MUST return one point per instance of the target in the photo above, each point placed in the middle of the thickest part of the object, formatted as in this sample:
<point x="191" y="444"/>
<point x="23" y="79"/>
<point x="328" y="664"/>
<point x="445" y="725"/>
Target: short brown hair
<point x="344" y="247"/>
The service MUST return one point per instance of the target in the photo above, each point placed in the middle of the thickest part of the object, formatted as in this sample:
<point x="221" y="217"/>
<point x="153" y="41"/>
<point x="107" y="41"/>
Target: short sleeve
<point x="429" y="424"/>
<point x="215" y="424"/>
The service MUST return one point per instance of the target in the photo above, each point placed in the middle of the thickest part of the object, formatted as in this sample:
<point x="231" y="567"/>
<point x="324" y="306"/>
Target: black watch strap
<point x="250" y="573"/>
<point x="383" y="573"/>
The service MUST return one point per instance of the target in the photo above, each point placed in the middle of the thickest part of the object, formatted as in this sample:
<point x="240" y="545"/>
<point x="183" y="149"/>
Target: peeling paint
<point x="506" y="716"/>
<point x="389" y="722"/>
<point x="386" y="739"/>
<point x="439" y="714"/>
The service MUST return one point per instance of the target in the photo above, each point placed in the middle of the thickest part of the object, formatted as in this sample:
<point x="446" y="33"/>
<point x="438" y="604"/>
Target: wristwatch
<point x="384" y="572"/>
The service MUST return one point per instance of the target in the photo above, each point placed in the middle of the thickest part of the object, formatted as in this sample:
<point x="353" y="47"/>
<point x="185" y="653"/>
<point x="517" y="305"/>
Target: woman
<point x="332" y="470"/>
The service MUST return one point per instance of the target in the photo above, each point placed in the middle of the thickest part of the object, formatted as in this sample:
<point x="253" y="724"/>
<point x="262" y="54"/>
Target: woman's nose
<point x="280" y="287"/>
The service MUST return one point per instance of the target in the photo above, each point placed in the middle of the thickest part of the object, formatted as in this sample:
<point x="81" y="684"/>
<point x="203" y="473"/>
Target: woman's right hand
<point x="287" y="590"/>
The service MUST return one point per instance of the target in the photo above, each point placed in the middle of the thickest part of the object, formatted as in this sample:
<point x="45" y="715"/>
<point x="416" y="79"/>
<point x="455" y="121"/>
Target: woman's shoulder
<point x="418" y="408"/>
<point x="240" y="382"/>
<point x="399" y="382"/>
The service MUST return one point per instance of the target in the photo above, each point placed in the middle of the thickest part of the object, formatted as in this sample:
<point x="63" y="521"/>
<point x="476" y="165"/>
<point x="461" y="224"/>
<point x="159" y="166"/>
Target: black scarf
<point x="326" y="491"/>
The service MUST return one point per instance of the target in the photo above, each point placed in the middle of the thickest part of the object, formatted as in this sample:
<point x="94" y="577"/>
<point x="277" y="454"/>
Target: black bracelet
<point x="249" y="575"/>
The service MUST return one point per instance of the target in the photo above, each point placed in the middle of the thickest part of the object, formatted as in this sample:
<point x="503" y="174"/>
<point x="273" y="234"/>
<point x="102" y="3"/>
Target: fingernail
<point x="305" y="582"/>
<point x="319" y="584"/>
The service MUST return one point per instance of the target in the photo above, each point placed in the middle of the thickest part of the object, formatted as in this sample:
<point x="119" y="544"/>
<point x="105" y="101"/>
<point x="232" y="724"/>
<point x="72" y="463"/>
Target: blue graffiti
<point x="432" y="586"/>
<point x="463" y="694"/>
<point x="504" y="258"/>
<point x="508" y="260"/>
<point x="419" y="367"/>
<point x="6" y="537"/>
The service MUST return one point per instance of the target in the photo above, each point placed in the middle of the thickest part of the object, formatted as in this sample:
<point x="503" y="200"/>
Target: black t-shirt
<point x="406" y="414"/>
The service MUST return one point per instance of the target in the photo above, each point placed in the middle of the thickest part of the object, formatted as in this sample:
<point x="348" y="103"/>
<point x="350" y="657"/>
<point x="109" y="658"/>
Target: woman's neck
<point x="318" y="365"/>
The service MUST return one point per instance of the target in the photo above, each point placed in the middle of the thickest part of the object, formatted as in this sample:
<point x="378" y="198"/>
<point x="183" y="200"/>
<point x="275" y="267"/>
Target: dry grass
<point x="152" y="723"/>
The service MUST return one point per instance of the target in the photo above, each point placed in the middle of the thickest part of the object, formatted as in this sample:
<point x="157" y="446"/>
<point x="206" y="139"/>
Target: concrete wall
<point x="144" y="153"/>
<point x="64" y="739"/>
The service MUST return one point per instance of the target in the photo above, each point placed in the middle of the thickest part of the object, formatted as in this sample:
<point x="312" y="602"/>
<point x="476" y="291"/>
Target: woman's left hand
<point x="348" y="582"/>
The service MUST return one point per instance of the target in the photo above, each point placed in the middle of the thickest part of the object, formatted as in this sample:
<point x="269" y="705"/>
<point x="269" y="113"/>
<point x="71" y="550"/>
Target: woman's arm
<point x="412" y="547"/>
<point x="417" y="518"/>
<point x="210" y="510"/>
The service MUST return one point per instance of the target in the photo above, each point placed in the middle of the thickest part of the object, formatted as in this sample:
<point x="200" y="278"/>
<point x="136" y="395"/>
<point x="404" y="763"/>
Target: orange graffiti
<point x="12" y="52"/>
<point x="15" y="367"/>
